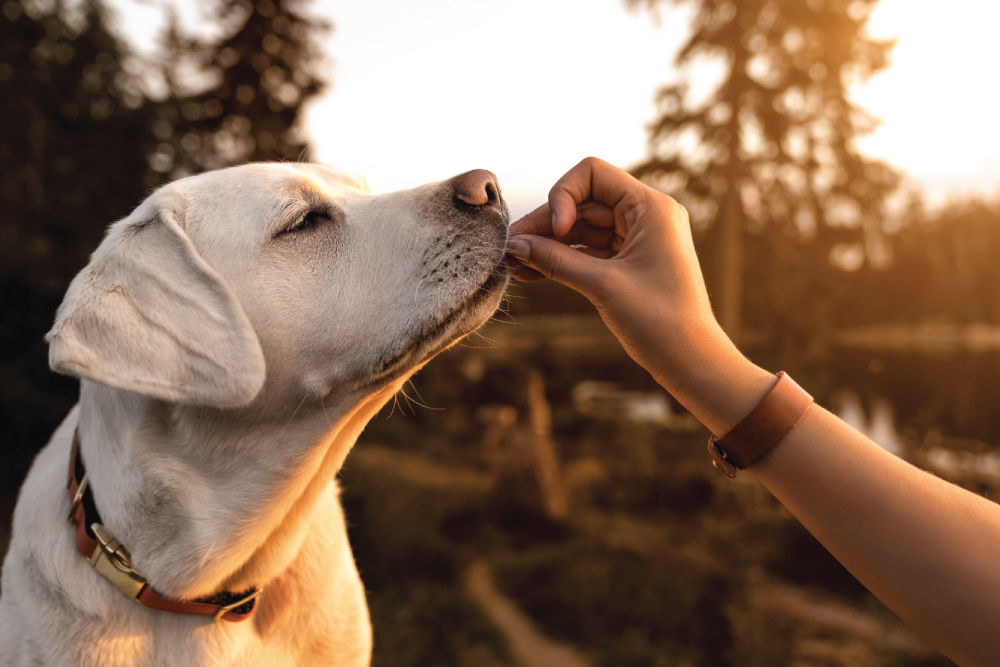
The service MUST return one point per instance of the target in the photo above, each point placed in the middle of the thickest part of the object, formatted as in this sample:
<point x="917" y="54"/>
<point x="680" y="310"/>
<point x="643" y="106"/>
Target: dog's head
<point x="289" y="276"/>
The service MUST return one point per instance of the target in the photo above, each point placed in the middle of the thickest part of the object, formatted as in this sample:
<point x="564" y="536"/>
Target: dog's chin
<point x="438" y="336"/>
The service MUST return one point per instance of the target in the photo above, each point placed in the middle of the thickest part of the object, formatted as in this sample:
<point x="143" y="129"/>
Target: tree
<point x="943" y="268"/>
<point x="772" y="147"/>
<point x="74" y="133"/>
<point x="238" y="98"/>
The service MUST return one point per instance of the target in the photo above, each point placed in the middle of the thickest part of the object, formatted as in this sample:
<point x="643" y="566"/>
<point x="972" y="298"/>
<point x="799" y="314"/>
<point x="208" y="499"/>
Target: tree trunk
<point x="730" y="257"/>
<point x="730" y="266"/>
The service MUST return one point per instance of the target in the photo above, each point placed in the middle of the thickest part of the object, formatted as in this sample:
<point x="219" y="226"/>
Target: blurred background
<point x="535" y="499"/>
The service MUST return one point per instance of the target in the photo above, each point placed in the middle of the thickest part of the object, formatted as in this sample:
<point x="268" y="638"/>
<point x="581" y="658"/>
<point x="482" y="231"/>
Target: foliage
<point x="73" y="142"/>
<point x="617" y="605"/>
<point x="943" y="268"/>
<point x="770" y="152"/>
<point x="411" y="565"/>
<point x="238" y="98"/>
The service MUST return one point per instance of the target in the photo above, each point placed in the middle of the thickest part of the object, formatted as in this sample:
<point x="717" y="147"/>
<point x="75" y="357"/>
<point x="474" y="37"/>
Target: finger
<point x="538" y="221"/>
<point x="522" y="273"/>
<point x="558" y="262"/>
<point x="583" y="234"/>
<point x="599" y="253"/>
<point x="592" y="179"/>
<point x="595" y="214"/>
<point x="595" y="237"/>
<point x="518" y="269"/>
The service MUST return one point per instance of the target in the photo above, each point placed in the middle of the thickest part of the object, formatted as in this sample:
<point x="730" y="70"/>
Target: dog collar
<point x="112" y="560"/>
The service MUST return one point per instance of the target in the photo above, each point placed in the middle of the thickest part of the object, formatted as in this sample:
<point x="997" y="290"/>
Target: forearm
<point x="925" y="547"/>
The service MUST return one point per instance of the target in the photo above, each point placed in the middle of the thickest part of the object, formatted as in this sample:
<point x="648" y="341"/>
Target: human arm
<point x="927" y="548"/>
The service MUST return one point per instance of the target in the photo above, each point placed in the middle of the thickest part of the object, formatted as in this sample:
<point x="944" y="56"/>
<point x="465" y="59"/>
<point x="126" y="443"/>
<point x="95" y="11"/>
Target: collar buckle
<point x="114" y="563"/>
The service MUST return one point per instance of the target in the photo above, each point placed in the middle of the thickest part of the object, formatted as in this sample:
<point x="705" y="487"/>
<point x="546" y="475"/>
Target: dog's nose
<point x="476" y="188"/>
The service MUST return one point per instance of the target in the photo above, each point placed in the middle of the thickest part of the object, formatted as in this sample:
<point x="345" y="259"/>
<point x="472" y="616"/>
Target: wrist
<point x="715" y="382"/>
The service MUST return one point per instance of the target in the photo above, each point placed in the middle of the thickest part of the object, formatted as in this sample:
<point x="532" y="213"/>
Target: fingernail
<point x="554" y="221"/>
<point x="519" y="249"/>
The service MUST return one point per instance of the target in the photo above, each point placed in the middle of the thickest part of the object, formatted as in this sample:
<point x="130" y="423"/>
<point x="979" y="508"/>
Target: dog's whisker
<point x="491" y="341"/>
<point x="491" y="344"/>
<point x="292" y="416"/>
<point x="507" y="319"/>
<point x="414" y="401"/>
<point x="395" y="404"/>
<point x="401" y="400"/>
<point x="322" y="405"/>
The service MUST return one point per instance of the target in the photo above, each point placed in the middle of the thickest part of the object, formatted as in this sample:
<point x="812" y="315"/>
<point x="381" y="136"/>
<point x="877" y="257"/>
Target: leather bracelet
<point x="781" y="409"/>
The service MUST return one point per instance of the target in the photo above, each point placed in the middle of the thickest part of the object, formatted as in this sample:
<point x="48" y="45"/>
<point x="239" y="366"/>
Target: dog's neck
<point x="208" y="500"/>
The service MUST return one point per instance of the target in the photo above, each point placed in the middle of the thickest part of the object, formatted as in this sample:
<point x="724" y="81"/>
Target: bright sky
<point x="525" y="88"/>
<point x="939" y="100"/>
<point x="425" y="90"/>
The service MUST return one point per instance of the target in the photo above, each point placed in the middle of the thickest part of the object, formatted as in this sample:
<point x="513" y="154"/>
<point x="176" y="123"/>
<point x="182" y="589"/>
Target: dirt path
<point x="529" y="647"/>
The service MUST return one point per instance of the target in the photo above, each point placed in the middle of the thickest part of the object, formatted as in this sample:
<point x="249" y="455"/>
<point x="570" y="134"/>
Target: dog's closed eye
<point x="310" y="220"/>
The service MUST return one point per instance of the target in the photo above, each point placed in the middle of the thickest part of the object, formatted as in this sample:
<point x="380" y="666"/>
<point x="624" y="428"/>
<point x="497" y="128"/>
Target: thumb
<point x="557" y="261"/>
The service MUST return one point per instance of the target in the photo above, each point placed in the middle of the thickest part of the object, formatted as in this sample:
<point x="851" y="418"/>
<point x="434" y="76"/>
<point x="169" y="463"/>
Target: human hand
<point x="628" y="249"/>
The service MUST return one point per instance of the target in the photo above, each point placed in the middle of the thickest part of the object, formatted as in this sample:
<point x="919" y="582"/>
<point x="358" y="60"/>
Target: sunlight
<point x="421" y="91"/>
<point x="526" y="89"/>
<point x="939" y="100"/>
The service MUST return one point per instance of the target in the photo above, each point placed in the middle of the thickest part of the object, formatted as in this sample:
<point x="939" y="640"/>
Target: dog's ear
<point x="149" y="315"/>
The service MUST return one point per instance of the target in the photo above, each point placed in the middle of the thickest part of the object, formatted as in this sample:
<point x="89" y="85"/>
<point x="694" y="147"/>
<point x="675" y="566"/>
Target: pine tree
<point x="74" y="133"/>
<point x="239" y="98"/>
<point x="768" y="160"/>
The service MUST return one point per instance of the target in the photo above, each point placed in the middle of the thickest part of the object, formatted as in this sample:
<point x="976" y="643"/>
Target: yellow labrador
<point x="232" y="337"/>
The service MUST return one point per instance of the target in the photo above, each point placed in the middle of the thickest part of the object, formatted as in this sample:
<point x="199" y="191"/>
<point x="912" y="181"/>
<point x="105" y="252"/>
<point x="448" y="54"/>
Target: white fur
<point x="226" y="371"/>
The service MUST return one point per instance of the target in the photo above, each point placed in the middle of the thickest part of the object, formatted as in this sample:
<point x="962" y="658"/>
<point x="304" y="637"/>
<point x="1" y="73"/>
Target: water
<point x="878" y="422"/>
<point x="936" y="409"/>
<point x="919" y="396"/>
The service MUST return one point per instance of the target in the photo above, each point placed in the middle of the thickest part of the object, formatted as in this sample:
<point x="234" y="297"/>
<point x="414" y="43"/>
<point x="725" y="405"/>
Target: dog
<point x="233" y="336"/>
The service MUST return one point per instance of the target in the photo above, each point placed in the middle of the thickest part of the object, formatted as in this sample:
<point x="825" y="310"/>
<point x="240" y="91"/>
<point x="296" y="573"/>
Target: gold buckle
<point x="720" y="460"/>
<point x="81" y="488"/>
<point x="239" y="603"/>
<point x="113" y="562"/>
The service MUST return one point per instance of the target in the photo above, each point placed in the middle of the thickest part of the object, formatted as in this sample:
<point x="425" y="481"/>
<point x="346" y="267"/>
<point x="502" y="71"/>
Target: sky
<point x="425" y="90"/>
<point x="525" y="88"/>
<point x="939" y="100"/>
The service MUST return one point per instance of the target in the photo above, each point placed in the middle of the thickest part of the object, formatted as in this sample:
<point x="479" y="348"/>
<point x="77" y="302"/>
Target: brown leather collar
<point x="112" y="560"/>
